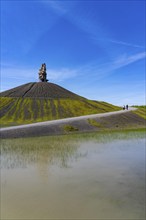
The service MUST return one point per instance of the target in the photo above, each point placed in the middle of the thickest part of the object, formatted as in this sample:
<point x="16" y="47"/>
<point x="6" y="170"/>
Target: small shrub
<point x="69" y="128"/>
<point x="94" y="123"/>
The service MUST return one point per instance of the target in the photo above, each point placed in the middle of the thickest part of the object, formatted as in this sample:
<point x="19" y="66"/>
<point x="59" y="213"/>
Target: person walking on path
<point x="127" y="107"/>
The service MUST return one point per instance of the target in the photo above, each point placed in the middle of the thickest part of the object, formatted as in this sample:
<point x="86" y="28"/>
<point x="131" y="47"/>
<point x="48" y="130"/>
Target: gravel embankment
<point x="110" y="120"/>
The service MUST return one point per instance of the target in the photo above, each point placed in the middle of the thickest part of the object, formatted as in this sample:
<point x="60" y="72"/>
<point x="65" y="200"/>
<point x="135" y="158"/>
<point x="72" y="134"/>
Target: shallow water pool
<point x="83" y="179"/>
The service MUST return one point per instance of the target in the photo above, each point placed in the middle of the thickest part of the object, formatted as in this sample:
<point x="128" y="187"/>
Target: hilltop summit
<point x="40" y="90"/>
<point x="41" y="101"/>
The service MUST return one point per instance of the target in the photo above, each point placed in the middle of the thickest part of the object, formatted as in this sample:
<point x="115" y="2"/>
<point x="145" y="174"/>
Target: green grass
<point x="21" y="152"/>
<point x="141" y="111"/>
<point x="69" y="128"/>
<point x="57" y="142"/>
<point x="56" y="149"/>
<point x="94" y="123"/>
<point x="15" y="111"/>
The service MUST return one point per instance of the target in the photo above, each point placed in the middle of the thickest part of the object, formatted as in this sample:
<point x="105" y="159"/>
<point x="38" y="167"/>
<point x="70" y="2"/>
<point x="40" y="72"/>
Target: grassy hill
<point x="34" y="102"/>
<point x="141" y="111"/>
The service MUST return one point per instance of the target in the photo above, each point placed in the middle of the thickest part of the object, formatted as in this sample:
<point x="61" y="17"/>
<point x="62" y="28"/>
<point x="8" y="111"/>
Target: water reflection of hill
<point x="41" y="151"/>
<point x="21" y="155"/>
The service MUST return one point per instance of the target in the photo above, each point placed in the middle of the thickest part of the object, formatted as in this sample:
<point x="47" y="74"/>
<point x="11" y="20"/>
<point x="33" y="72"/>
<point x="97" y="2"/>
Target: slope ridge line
<point x="28" y="90"/>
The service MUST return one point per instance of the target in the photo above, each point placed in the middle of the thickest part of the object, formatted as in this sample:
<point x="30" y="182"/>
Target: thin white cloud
<point x="83" y="20"/>
<point x="125" y="43"/>
<point x="12" y="76"/>
<point x="59" y="7"/>
<point x="126" y="60"/>
<point x="16" y="73"/>
<point x="62" y="74"/>
<point x="94" y="70"/>
<point x="97" y="71"/>
<point x="56" y="6"/>
<point x="80" y="17"/>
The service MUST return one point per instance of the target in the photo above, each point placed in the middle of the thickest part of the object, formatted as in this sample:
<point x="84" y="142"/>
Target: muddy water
<point x="85" y="180"/>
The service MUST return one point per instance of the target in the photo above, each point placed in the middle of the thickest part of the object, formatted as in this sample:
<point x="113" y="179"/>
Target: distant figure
<point x="124" y="107"/>
<point x="127" y="107"/>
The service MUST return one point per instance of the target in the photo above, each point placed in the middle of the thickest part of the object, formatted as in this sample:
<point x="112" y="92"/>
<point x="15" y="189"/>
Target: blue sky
<point x="93" y="48"/>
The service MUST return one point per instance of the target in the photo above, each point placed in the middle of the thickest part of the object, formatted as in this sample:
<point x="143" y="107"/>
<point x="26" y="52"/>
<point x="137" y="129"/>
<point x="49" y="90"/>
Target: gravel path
<point x="65" y="120"/>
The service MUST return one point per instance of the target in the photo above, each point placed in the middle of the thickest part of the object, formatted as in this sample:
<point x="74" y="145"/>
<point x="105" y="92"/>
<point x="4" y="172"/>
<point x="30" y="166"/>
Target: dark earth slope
<point x="40" y="90"/>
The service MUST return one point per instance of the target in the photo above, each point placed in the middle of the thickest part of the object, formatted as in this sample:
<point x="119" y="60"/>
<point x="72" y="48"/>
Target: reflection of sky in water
<point x="78" y="179"/>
